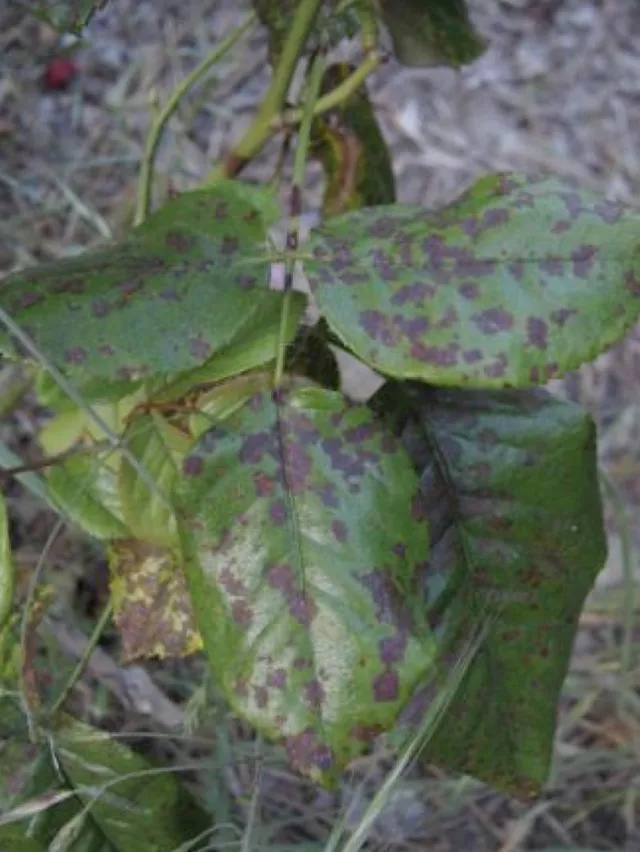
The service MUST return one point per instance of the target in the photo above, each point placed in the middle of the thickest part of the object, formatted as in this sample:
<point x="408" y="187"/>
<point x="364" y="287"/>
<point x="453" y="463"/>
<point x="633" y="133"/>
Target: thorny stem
<point x="163" y="116"/>
<point x="80" y="666"/>
<point x="299" y="168"/>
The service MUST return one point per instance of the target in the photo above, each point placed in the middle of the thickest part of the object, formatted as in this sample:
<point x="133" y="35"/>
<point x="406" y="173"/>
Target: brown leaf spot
<point x="264" y="484"/>
<point x="306" y="752"/>
<point x="386" y="686"/>
<point x="106" y="350"/>
<point x="28" y="300"/>
<point x="278" y="679"/>
<point x="229" y="245"/>
<point x="561" y="227"/>
<point x="261" y="695"/>
<point x="632" y="283"/>
<point x="537" y="333"/>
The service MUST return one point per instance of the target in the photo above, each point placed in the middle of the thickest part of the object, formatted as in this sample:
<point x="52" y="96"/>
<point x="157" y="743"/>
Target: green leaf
<point x="151" y="602"/>
<point x="148" y="804"/>
<point x="258" y="348"/>
<point x="510" y="481"/>
<point x="302" y="538"/>
<point x="148" y="512"/>
<point x="179" y="289"/>
<point x="349" y="144"/>
<point x="330" y="27"/>
<point x="517" y="282"/>
<point x="432" y="32"/>
<point x="225" y="399"/>
<point x="7" y="570"/>
<point x="85" y="488"/>
<point x="121" y="795"/>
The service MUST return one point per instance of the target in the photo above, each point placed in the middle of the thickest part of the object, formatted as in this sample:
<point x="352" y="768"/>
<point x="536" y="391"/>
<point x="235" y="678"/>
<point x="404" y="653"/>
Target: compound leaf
<point x="302" y="539"/>
<point x="182" y="287"/>
<point x="151" y="602"/>
<point x="518" y="281"/>
<point x="432" y="32"/>
<point x="510" y="481"/>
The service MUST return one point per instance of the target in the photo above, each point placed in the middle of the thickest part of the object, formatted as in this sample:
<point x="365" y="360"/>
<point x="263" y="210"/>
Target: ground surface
<point x="558" y="89"/>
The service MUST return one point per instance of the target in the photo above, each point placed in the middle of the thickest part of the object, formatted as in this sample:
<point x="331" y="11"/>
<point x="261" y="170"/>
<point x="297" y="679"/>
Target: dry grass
<point x="558" y="89"/>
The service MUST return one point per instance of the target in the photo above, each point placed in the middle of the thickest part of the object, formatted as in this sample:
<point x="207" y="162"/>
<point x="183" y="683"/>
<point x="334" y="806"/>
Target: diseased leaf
<point x="510" y="482"/>
<point x="432" y="32"/>
<point x="300" y="521"/>
<point x="258" y="348"/>
<point x="147" y="511"/>
<point x="517" y="282"/>
<point x="85" y="488"/>
<point x="151" y="602"/>
<point x="182" y="287"/>
<point x="349" y="144"/>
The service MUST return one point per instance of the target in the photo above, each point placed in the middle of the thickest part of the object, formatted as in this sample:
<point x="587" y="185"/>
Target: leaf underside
<point x="510" y="482"/>
<point x="184" y="286"/>
<point x="432" y="32"/>
<point x="517" y="282"/>
<point x="303" y="540"/>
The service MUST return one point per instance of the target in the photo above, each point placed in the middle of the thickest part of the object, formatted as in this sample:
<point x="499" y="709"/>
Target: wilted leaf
<point x="432" y="32"/>
<point x="510" y="481"/>
<point x="303" y="542"/>
<point x="518" y="281"/>
<point x="151" y="602"/>
<point x="85" y="488"/>
<point x="353" y="151"/>
<point x="178" y="290"/>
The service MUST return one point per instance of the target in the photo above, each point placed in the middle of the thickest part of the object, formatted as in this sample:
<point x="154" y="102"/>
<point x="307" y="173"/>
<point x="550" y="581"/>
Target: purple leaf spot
<point x="199" y="348"/>
<point x="392" y="648"/>
<point x="278" y="679"/>
<point x="537" y="331"/>
<point x="241" y="614"/>
<point x="584" y="259"/>
<point x="386" y="687"/>
<point x="471" y="356"/>
<point x="178" y="241"/>
<point x="314" y="693"/>
<point x="278" y="513"/>
<point x="281" y="576"/>
<point x="493" y="320"/>
<point x="192" y="466"/>
<point x="254" y="448"/>
<point x="561" y="316"/>
<point x="469" y="290"/>
<point x="340" y="531"/>
<point x="302" y="608"/>
<point x="76" y="355"/>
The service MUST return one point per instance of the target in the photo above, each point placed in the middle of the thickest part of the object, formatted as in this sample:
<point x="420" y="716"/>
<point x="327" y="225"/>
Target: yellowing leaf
<point x="151" y="602"/>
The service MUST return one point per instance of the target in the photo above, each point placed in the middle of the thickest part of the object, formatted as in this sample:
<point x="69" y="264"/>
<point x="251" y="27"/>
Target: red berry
<point x="59" y="73"/>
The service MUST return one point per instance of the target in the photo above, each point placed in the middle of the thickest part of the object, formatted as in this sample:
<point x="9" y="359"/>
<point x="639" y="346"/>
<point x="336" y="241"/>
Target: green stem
<point x="80" y="666"/>
<point x="299" y="168"/>
<point x="262" y="127"/>
<point x="164" y="115"/>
